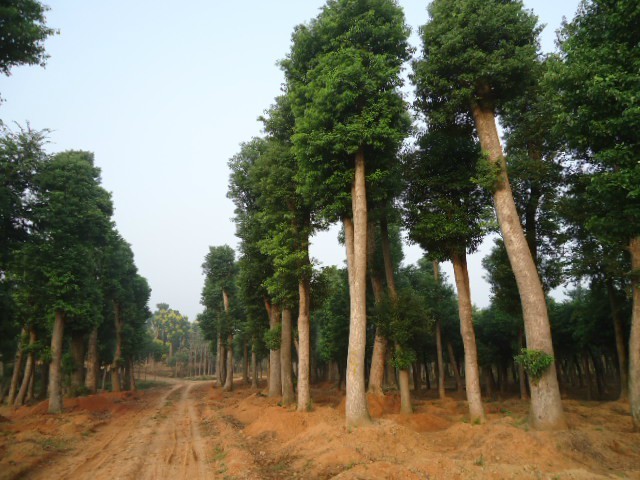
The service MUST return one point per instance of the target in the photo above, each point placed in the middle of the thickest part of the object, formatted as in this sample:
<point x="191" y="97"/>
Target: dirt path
<point x="161" y="441"/>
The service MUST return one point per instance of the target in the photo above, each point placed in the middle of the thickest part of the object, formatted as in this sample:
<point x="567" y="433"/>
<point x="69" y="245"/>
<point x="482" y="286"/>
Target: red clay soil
<point x="192" y="430"/>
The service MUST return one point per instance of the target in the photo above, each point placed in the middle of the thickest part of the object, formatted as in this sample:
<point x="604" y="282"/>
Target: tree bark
<point x="275" y="375"/>
<point x="77" y="352"/>
<point x="403" y="373"/>
<point x="228" y="384"/>
<point x="304" y="345"/>
<point x="376" y="372"/>
<point x="288" y="395"/>
<point x="546" y="407"/>
<point x="245" y="363"/>
<point x="356" y="411"/>
<point x="465" y="311"/>
<point x="55" y="378"/>
<point x="621" y="350"/>
<point x="117" y="357"/>
<point x="522" y="375"/>
<point x="454" y="367"/>
<point x="634" y="337"/>
<point x="28" y="370"/>
<point x="17" y="368"/>
<point x="439" y="357"/>
<point x="254" y="365"/>
<point x="132" y="377"/>
<point x="220" y="361"/>
<point x="93" y="364"/>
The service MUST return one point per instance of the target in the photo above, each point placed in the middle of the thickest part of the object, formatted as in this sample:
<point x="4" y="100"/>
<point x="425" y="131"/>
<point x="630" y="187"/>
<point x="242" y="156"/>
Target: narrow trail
<point x="161" y="441"/>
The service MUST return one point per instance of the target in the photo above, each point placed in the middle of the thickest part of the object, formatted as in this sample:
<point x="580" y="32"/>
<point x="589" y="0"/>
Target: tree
<point x="220" y="272"/>
<point x="596" y="78"/>
<point x="24" y="32"/>
<point x="478" y="54"/>
<point x="343" y="72"/>
<point x="444" y="212"/>
<point x="71" y="220"/>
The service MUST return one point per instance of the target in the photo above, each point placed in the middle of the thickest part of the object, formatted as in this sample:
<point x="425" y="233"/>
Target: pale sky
<point x="163" y="93"/>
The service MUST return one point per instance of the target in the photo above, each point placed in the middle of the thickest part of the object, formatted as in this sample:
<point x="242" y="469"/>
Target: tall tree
<point x="71" y="220"/>
<point x="343" y="72"/>
<point x="444" y="212"/>
<point x="597" y="82"/>
<point x="220" y="271"/>
<point x="476" y="55"/>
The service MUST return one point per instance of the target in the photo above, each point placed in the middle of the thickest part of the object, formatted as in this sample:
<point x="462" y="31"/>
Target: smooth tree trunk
<point x="275" y="375"/>
<point x="439" y="356"/>
<point x="454" y="366"/>
<point x="546" y="406"/>
<point x="403" y="373"/>
<point x="28" y="370"/>
<point x="17" y="368"/>
<point x="77" y="353"/>
<point x="245" y="363"/>
<point x="116" y="384"/>
<point x="228" y="383"/>
<point x="254" y="365"/>
<point x="376" y="372"/>
<point x="522" y="375"/>
<point x="132" y="377"/>
<point x="465" y="311"/>
<point x="304" y="342"/>
<point x="55" y="374"/>
<point x="93" y="363"/>
<point x="634" y="337"/>
<point x="220" y="361"/>
<point x="288" y="395"/>
<point x="357" y="411"/>
<point x="621" y="350"/>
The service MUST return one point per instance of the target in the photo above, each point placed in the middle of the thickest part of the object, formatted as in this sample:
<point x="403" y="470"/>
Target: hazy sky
<point x="163" y="93"/>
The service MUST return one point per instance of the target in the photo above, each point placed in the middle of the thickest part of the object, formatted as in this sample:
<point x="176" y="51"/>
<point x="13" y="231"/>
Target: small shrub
<point x="534" y="362"/>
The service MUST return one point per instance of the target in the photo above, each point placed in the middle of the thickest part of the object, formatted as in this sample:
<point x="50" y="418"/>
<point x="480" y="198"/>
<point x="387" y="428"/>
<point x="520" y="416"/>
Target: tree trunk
<point x="376" y="372"/>
<point x="403" y="374"/>
<point x="17" y="368"/>
<point x="623" y="364"/>
<point x="275" y="375"/>
<point x="288" y="395"/>
<point x="93" y="364"/>
<point x="522" y="375"/>
<point x="228" y="384"/>
<point x="546" y="406"/>
<point x="132" y="377"/>
<point x="439" y="358"/>
<point x="28" y="370"/>
<point x="634" y="337"/>
<point x="465" y="311"/>
<point x="254" y="365"/>
<point x="77" y="353"/>
<point x="245" y="363"/>
<point x="55" y="377"/>
<point x="117" y="357"/>
<point x="454" y="367"/>
<point x="405" y="392"/>
<point x="356" y="411"/>
<point x="220" y="361"/>
<point x="304" y="344"/>
<point x="587" y="370"/>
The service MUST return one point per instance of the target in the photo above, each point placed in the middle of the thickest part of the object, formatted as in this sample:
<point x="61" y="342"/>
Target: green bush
<point x="272" y="338"/>
<point x="534" y="362"/>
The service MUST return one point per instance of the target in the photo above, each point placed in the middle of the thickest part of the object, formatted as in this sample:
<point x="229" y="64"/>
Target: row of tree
<point x="335" y="149"/>
<point x="68" y="281"/>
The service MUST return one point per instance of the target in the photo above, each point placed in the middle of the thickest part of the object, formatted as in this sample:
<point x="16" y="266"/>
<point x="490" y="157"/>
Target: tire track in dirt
<point x="162" y="441"/>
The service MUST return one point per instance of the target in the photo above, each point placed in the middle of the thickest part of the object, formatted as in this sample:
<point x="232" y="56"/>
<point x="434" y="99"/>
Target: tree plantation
<point x="378" y="368"/>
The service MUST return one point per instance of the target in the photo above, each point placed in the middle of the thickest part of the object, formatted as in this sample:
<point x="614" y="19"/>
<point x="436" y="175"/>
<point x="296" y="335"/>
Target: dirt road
<point x="162" y="441"/>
